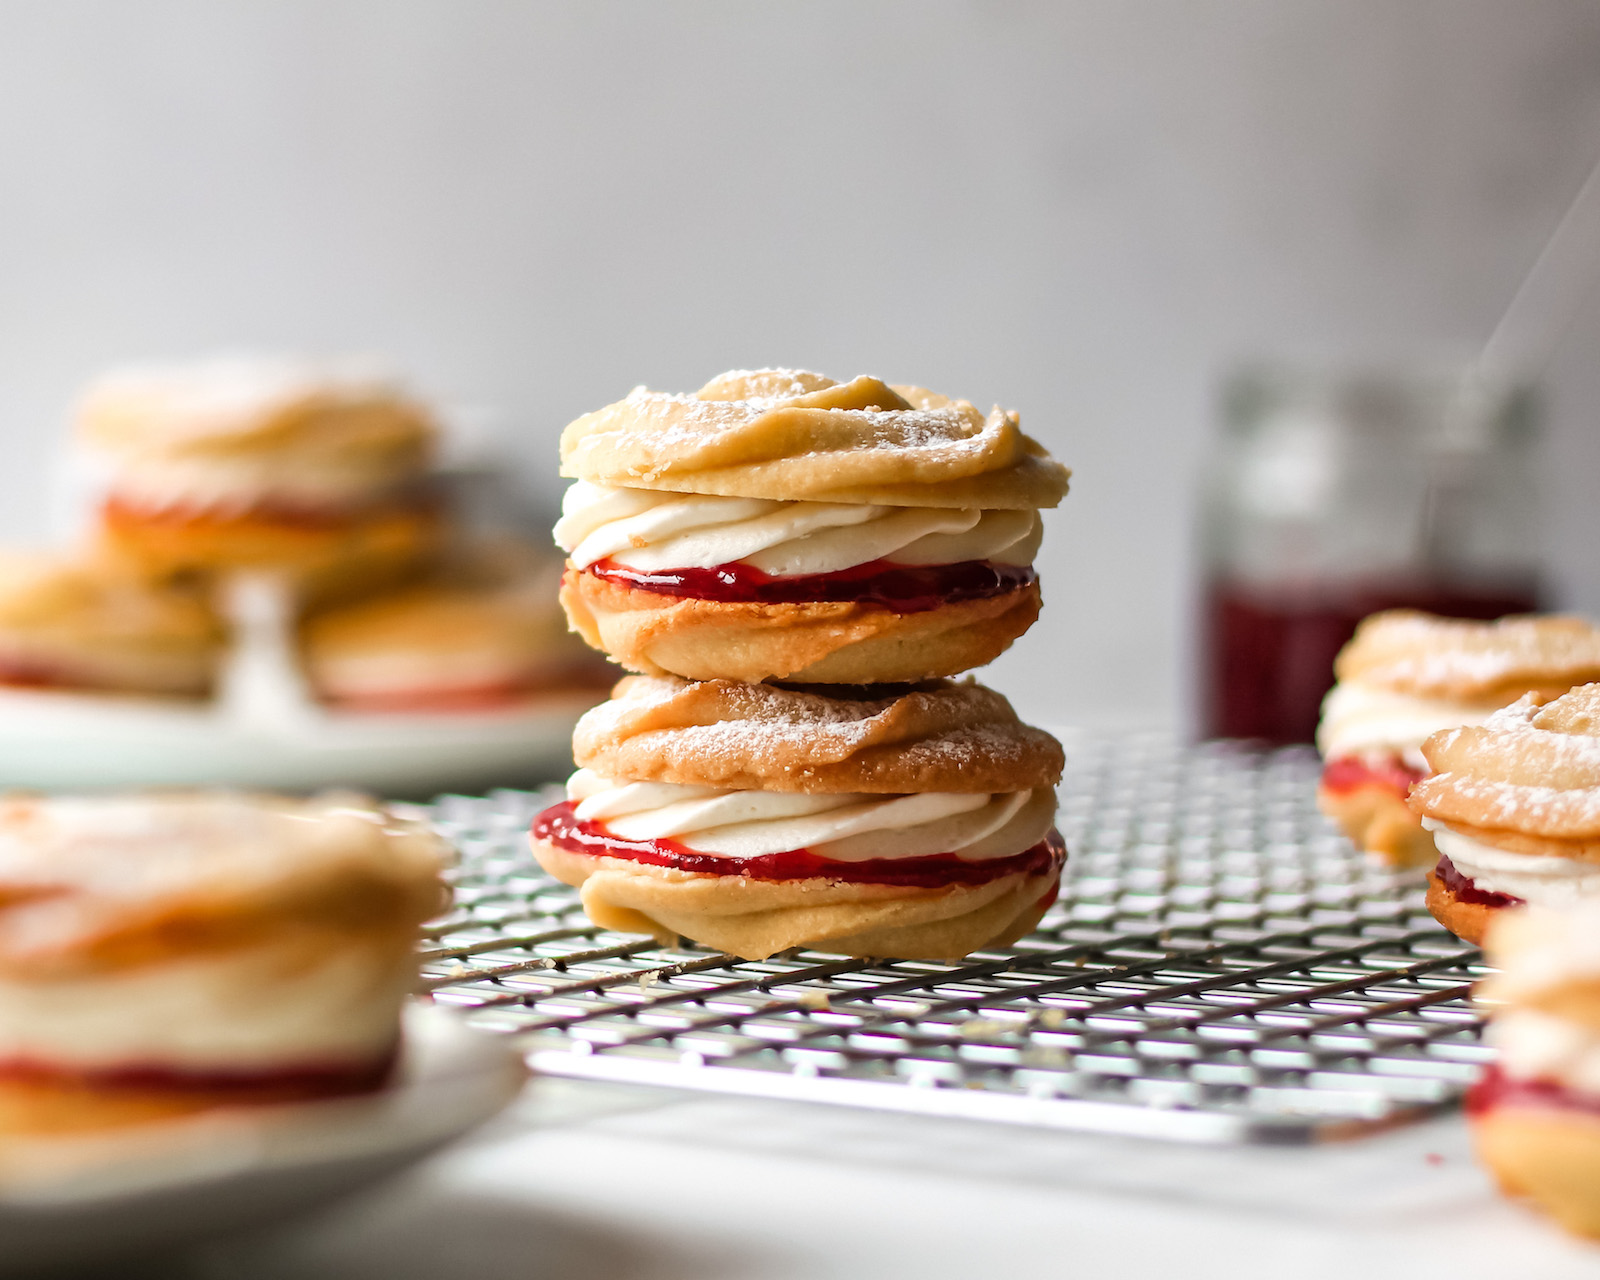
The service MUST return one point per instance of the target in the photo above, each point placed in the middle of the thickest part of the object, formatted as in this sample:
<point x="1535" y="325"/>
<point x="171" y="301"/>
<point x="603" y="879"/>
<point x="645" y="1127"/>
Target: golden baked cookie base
<point x="945" y="736"/>
<point x="1377" y="820"/>
<point x="1469" y="921"/>
<point x="829" y="642"/>
<point x="99" y="664"/>
<point x="754" y="919"/>
<point x="44" y="1106"/>
<point x="1550" y="1157"/>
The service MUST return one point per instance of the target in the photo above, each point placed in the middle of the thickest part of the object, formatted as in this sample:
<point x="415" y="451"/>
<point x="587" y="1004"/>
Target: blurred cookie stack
<point x="1406" y="675"/>
<point x="1474" y="747"/>
<point x="319" y="479"/>
<point x="796" y="567"/>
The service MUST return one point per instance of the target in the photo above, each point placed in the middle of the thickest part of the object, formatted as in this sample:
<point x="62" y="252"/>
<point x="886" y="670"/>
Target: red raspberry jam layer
<point x="1466" y="889"/>
<point x="23" y="674"/>
<point x="1497" y="1089"/>
<point x="1352" y="773"/>
<point x="560" y="826"/>
<point x="901" y="588"/>
<point x="310" y="1080"/>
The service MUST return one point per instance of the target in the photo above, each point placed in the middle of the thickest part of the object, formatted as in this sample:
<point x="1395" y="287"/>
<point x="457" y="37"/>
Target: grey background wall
<point x="1081" y="208"/>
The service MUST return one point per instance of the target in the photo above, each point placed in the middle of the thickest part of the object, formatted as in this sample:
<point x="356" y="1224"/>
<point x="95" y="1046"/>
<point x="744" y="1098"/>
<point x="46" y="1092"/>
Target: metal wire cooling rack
<point x="1221" y="966"/>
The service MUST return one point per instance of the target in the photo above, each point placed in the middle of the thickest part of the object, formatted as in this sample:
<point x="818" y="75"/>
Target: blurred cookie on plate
<point x="91" y="624"/>
<point x="168" y="954"/>
<point x="313" y="469"/>
<point x="483" y="631"/>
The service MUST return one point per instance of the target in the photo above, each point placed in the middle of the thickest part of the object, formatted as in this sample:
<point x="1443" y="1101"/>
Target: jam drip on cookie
<point x="1466" y="889"/>
<point x="1351" y="773"/>
<point x="560" y="826"/>
<point x="901" y="588"/>
<point x="1497" y="1089"/>
<point x="20" y="673"/>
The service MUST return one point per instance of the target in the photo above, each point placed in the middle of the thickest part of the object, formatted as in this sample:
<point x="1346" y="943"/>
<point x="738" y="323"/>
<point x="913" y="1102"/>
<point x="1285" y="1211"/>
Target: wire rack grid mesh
<point x="1221" y="966"/>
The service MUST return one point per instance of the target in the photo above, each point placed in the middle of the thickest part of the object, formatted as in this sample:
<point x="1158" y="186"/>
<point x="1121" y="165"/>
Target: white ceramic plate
<point x="79" y="1201"/>
<point x="64" y="742"/>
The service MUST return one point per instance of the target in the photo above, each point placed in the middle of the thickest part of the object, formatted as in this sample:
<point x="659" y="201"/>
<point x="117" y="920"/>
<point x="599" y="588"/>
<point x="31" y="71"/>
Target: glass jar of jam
<point x="1330" y="497"/>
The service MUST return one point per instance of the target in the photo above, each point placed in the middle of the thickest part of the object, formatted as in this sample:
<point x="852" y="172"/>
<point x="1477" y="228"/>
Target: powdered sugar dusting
<point x="723" y="728"/>
<point x="790" y="435"/>
<point x="1429" y="656"/>
<point x="1533" y="768"/>
<point x="227" y="392"/>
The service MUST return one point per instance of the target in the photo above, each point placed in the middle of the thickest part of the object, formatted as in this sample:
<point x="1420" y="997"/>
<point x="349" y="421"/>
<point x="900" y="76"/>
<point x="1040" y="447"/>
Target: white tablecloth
<point x="589" y="1182"/>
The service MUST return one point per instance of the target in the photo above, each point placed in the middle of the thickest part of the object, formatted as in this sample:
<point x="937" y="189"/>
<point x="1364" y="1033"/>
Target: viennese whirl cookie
<point x="1514" y="805"/>
<point x="90" y="624"/>
<point x="163" y="955"/>
<point x="752" y="819"/>
<point x="780" y="525"/>
<point x="481" y="631"/>
<point x="229" y="463"/>
<point x="1536" y="1114"/>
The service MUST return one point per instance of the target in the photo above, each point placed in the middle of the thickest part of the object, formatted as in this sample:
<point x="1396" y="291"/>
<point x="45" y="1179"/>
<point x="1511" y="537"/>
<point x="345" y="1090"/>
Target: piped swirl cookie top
<point x="1527" y="780"/>
<point x="246" y="404"/>
<point x="107" y="883"/>
<point x="943" y="736"/>
<point x="789" y="435"/>
<point x="1480" y="662"/>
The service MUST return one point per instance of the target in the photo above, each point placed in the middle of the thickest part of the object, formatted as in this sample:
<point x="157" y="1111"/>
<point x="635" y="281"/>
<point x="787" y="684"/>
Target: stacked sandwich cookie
<point x="1406" y="675"/>
<point x="860" y="544"/>
<point x="245" y="463"/>
<point x="317" y="476"/>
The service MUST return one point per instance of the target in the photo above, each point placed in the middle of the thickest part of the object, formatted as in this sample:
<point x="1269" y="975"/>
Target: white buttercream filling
<point x="1537" y="1046"/>
<point x="1541" y="879"/>
<point x="655" y="531"/>
<point x="1375" y="723"/>
<point x="260" y="1009"/>
<point x="850" y="827"/>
